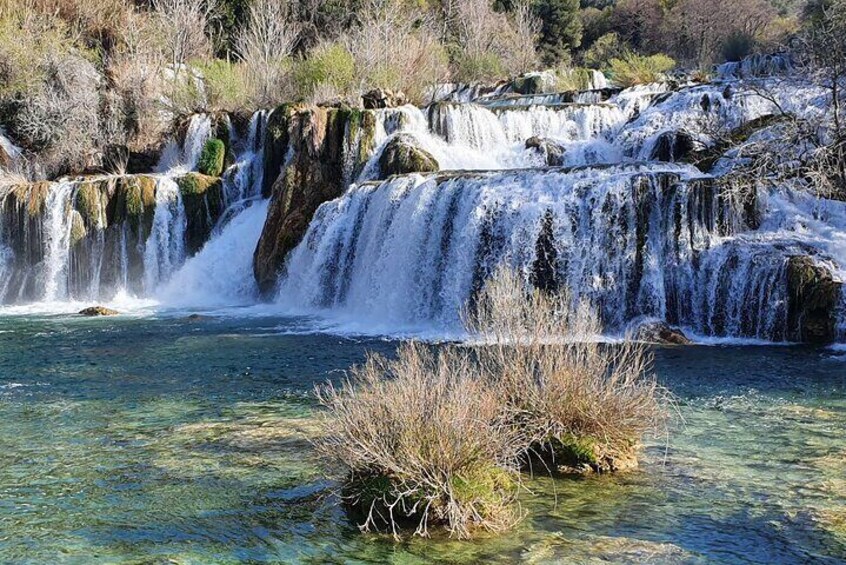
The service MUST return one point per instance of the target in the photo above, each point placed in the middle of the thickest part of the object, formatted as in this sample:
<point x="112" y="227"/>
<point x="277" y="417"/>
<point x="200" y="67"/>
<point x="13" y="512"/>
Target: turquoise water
<point x="174" y="441"/>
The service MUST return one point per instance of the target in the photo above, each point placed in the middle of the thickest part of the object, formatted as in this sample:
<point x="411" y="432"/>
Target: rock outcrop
<point x="672" y="146"/>
<point x="402" y="155"/>
<point x="552" y="152"/>
<point x="311" y="154"/>
<point x="660" y="333"/>
<point x="813" y="296"/>
<point x="381" y="98"/>
<point x="93" y="311"/>
<point x="202" y="197"/>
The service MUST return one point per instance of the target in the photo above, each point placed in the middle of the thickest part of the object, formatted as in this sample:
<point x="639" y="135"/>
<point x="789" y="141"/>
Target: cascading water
<point x="165" y="250"/>
<point x="640" y="241"/>
<point x="183" y="157"/>
<point x="58" y="227"/>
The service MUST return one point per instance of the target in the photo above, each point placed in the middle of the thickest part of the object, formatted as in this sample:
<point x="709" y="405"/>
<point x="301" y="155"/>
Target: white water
<point x="165" y="249"/>
<point x="183" y="157"/>
<point x="58" y="229"/>
<point x="221" y="274"/>
<point x="404" y="255"/>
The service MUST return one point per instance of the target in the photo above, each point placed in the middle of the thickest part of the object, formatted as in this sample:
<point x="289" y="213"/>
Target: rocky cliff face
<point x="311" y="154"/>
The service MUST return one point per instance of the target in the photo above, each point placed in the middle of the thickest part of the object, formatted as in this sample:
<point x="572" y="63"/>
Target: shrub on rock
<point x="422" y="441"/>
<point x="586" y="405"/>
<point x="212" y="158"/>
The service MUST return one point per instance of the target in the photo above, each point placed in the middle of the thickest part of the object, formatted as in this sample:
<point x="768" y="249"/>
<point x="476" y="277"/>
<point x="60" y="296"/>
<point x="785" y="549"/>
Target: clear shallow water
<point x="174" y="441"/>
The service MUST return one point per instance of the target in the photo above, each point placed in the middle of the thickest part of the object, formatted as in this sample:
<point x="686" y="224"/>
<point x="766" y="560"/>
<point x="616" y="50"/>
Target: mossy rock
<point x="402" y="156"/>
<point x="88" y="201"/>
<point x="197" y="184"/>
<point x="212" y="158"/>
<point x="98" y="311"/>
<point x="78" y="230"/>
<point x="485" y="493"/>
<point x="202" y="197"/>
<point x="569" y="454"/>
<point x="813" y="298"/>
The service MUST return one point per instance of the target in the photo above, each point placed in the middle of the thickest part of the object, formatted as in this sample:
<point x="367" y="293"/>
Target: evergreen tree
<point x="561" y="30"/>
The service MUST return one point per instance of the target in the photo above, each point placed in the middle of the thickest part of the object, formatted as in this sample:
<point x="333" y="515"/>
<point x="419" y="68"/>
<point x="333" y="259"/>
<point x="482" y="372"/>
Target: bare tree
<point x="269" y="37"/>
<point x="183" y="23"/>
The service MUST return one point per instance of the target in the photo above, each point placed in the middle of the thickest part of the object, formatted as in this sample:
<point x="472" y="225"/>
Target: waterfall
<point x="58" y="229"/>
<point x="221" y="274"/>
<point x="413" y="249"/>
<point x="165" y="249"/>
<point x="183" y="157"/>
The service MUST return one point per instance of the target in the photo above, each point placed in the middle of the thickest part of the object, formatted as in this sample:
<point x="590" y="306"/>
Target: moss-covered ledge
<point x="202" y="197"/>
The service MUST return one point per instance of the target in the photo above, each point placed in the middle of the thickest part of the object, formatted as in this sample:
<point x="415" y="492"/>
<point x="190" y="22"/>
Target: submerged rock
<point x="658" y="332"/>
<point x="402" y="156"/>
<point x="552" y="151"/>
<point x="98" y="311"/>
<point x="813" y="298"/>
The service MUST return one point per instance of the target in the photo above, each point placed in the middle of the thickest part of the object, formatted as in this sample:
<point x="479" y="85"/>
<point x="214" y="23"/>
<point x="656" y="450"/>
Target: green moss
<point x="196" y="184"/>
<point x="78" y="231"/>
<point x="570" y="451"/>
<point x="88" y="202"/>
<point x="212" y="158"/>
<point x="489" y="487"/>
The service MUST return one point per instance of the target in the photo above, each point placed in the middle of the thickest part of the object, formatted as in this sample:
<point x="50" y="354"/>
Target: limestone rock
<point x="313" y="144"/>
<point x="202" y="197"/>
<point x="813" y="297"/>
<point x="673" y="146"/>
<point x="381" y="98"/>
<point x="552" y="152"/>
<point x="661" y="333"/>
<point x="402" y="156"/>
<point x="98" y="311"/>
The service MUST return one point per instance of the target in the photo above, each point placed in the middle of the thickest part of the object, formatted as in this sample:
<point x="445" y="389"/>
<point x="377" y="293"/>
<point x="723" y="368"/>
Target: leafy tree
<point x="561" y="28"/>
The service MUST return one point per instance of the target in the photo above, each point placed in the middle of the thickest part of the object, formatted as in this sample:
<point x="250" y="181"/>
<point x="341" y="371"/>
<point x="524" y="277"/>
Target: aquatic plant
<point x="586" y="405"/>
<point x="422" y="440"/>
<point x="436" y="438"/>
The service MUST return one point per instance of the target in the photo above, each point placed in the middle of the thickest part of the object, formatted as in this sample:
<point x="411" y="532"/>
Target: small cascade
<point x="242" y="181"/>
<point x="183" y="157"/>
<point x="165" y="249"/>
<point x="58" y="233"/>
<point x="755" y="66"/>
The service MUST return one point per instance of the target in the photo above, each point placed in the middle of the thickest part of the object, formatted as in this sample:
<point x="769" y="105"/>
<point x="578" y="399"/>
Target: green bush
<point x="327" y="65"/>
<point x="603" y="50"/>
<point x="225" y="85"/>
<point x="634" y="69"/>
<point x="212" y="158"/>
<point x="478" y="67"/>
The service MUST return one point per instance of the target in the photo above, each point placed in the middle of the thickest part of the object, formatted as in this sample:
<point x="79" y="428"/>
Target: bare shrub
<point x="488" y="44"/>
<point x="265" y="44"/>
<point x="183" y="30"/>
<point x="437" y="438"/>
<point x="394" y="49"/>
<point x="585" y="404"/>
<point x="422" y="439"/>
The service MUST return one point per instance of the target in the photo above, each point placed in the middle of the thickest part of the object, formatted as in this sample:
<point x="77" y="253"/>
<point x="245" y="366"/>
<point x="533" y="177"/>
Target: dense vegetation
<point x="84" y="83"/>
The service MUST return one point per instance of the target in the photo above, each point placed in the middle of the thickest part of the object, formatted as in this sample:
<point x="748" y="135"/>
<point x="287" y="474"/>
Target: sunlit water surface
<point x="168" y="440"/>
